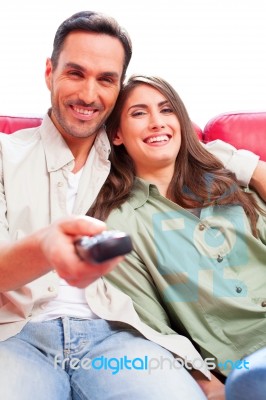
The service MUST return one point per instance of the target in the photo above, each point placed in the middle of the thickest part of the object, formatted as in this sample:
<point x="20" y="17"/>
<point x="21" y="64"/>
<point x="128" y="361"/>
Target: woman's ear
<point x="117" y="140"/>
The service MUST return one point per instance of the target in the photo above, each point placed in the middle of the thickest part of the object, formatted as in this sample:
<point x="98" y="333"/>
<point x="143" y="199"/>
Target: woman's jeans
<point x="249" y="382"/>
<point x="69" y="358"/>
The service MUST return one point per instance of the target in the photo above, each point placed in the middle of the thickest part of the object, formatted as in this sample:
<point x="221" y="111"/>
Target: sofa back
<point x="10" y="124"/>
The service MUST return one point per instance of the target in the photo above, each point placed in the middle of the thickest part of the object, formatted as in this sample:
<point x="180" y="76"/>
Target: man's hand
<point x="57" y="244"/>
<point x="213" y="389"/>
<point x="52" y="248"/>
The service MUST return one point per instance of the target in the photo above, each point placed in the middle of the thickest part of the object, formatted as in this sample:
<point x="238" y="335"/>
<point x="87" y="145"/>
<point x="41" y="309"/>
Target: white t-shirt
<point x="71" y="301"/>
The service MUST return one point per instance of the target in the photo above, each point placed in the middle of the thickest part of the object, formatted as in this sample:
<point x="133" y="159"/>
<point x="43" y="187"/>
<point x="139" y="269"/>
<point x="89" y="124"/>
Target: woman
<point x="199" y="239"/>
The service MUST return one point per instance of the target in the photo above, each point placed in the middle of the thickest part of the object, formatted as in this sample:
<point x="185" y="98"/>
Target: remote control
<point x="103" y="247"/>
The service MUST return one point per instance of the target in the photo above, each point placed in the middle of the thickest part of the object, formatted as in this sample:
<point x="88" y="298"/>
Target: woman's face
<point x="149" y="130"/>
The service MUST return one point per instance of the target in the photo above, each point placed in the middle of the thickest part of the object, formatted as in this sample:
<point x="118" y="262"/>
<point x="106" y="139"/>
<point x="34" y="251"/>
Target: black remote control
<point x="103" y="247"/>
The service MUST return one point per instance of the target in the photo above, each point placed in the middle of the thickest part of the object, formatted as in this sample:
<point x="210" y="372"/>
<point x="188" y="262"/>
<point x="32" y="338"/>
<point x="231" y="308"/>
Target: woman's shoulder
<point x="121" y="217"/>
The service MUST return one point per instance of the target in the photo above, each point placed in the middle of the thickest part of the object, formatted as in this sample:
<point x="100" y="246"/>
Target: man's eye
<point x="75" y="73"/>
<point x="107" y="79"/>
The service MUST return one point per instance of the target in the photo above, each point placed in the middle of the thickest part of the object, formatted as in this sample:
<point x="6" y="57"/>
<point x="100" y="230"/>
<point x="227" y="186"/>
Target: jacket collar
<point x="56" y="150"/>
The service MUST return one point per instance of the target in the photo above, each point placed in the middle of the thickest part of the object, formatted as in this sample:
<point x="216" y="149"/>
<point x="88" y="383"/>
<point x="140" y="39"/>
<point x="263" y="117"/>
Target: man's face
<point x="85" y="84"/>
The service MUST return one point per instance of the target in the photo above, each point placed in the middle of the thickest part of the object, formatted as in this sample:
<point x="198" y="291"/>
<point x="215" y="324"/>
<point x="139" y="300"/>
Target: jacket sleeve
<point x="241" y="162"/>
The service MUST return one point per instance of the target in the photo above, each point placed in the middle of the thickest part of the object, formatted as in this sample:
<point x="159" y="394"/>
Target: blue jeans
<point x="68" y="358"/>
<point x="248" y="383"/>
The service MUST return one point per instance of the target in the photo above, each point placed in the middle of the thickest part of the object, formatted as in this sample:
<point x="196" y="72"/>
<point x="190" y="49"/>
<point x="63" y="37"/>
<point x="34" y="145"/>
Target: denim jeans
<point x="69" y="358"/>
<point x="248" y="383"/>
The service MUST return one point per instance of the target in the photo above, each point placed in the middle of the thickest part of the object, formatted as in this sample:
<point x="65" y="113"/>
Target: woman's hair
<point x="91" y="21"/>
<point x="199" y="178"/>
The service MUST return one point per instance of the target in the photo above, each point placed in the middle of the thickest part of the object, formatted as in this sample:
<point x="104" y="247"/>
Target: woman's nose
<point x="157" y="122"/>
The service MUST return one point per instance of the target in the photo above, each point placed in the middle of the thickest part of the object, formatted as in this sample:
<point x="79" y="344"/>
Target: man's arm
<point x="52" y="248"/>
<point x="246" y="165"/>
<point x="258" y="179"/>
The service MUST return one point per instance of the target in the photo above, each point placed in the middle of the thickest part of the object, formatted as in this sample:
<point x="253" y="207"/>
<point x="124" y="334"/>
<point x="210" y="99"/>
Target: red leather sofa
<point x="244" y="130"/>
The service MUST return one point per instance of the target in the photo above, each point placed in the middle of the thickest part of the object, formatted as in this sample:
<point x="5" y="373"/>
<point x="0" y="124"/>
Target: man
<point x="55" y="339"/>
<point x="55" y="336"/>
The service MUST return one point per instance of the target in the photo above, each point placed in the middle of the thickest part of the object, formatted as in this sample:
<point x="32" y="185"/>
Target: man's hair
<point x="91" y="21"/>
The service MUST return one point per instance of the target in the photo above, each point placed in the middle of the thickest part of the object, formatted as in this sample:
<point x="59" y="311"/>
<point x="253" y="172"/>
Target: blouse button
<point x="201" y="227"/>
<point x="263" y="304"/>
<point x="51" y="289"/>
<point x="219" y="258"/>
<point x="238" y="289"/>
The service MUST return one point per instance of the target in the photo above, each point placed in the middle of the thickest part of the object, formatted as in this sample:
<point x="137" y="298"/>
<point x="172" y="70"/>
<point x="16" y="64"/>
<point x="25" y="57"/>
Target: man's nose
<point x="89" y="91"/>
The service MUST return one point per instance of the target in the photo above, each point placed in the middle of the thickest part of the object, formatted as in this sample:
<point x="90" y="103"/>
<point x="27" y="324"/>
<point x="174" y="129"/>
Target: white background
<point x="212" y="51"/>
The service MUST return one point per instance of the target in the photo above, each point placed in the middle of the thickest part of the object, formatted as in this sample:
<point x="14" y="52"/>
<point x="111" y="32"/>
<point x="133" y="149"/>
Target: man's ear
<point x="117" y="140"/>
<point x="48" y="73"/>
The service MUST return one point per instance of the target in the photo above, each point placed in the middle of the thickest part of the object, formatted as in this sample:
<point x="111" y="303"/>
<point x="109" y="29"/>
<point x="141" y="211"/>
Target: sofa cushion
<point x="244" y="130"/>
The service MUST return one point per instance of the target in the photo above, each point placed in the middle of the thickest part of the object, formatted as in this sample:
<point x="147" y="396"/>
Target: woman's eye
<point x="167" y="110"/>
<point x="137" y="113"/>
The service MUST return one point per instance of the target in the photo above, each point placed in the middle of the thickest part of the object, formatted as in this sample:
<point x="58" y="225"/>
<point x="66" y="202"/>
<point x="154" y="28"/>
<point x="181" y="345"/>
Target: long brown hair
<point x="199" y="179"/>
